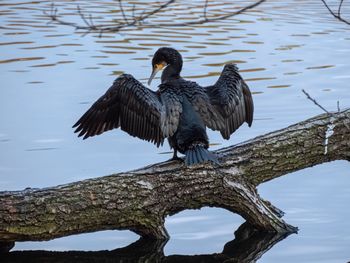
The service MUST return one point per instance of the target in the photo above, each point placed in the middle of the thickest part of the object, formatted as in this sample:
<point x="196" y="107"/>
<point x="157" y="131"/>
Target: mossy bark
<point x="140" y="200"/>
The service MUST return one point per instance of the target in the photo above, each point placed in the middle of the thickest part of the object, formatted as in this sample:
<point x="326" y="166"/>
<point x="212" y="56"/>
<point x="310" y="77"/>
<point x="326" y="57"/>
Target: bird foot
<point x="175" y="158"/>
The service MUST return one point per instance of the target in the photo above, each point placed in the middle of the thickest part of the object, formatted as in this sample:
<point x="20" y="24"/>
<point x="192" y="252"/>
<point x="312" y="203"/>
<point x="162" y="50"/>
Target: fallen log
<point x="140" y="200"/>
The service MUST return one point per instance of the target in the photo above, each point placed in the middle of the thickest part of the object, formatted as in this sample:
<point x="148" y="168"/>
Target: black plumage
<point x="180" y="110"/>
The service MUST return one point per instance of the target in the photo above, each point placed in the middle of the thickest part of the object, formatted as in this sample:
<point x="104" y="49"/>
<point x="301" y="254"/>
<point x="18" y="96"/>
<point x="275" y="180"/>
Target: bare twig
<point x="157" y="10"/>
<point x="213" y="19"/>
<point x="83" y="17"/>
<point x="314" y="101"/>
<point x="133" y="12"/>
<point x="205" y="9"/>
<point x="139" y="21"/>
<point x="91" y="21"/>
<point x="332" y="114"/>
<point x="340" y="6"/>
<point x="123" y="13"/>
<point x="338" y="14"/>
<point x="54" y="17"/>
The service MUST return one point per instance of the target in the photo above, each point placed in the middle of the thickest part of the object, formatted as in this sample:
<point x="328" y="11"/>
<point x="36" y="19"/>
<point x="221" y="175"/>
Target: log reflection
<point x="248" y="246"/>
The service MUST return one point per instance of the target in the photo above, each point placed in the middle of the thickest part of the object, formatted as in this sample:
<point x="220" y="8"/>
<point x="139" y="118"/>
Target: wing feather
<point x="172" y="108"/>
<point x="126" y="104"/>
<point x="232" y="100"/>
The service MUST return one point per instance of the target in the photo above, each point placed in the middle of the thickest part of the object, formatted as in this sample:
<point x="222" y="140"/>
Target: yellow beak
<point x="156" y="69"/>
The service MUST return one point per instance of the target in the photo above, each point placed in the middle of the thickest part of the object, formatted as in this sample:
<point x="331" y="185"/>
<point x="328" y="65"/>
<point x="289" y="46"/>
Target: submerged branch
<point x="141" y="199"/>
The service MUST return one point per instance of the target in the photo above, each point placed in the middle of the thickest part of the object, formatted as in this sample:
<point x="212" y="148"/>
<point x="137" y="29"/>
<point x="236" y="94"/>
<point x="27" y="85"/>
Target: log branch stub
<point x="140" y="200"/>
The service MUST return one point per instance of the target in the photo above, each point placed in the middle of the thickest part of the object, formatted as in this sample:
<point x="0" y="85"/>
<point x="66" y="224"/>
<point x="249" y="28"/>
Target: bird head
<point x="164" y="57"/>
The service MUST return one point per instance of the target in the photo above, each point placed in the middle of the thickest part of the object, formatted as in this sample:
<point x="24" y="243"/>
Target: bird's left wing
<point x="232" y="99"/>
<point x="126" y="104"/>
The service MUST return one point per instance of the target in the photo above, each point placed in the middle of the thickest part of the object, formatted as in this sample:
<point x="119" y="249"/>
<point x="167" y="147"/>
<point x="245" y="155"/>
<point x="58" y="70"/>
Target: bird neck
<point x="171" y="72"/>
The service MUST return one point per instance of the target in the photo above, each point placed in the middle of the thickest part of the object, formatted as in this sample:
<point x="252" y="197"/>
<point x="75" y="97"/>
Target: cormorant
<point x="180" y="110"/>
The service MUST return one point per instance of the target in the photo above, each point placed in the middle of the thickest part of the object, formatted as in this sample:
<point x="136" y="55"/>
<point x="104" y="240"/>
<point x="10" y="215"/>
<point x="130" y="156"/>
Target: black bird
<point x="179" y="110"/>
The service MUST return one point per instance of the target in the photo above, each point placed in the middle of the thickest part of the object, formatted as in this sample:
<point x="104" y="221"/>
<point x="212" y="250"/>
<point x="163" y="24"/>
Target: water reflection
<point x="20" y="59"/>
<point x="248" y="246"/>
<point x="41" y="149"/>
<point x="321" y="67"/>
<point x="218" y="42"/>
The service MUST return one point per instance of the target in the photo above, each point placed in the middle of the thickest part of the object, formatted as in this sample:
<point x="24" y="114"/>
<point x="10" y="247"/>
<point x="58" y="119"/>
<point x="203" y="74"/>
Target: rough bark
<point x="140" y="200"/>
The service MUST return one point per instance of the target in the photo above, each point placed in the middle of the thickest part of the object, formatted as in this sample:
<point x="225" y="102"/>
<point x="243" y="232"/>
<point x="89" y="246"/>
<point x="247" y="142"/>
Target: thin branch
<point x="91" y="21"/>
<point x="339" y="7"/>
<point x="83" y="17"/>
<point x="314" y="101"/>
<point x="205" y="9"/>
<point x="133" y="12"/>
<point x="207" y="20"/>
<point x="123" y="13"/>
<point x="223" y="17"/>
<point x="157" y="10"/>
<point x="338" y="15"/>
<point x="141" y="19"/>
<point x="54" y="17"/>
<point x="323" y="108"/>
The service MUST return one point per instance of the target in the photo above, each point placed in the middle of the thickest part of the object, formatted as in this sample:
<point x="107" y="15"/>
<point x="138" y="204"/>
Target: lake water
<point x="50" y="75"/>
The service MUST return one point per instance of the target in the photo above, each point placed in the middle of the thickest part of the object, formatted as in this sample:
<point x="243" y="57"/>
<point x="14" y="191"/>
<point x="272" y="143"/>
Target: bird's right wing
<point x="131" y="106"/>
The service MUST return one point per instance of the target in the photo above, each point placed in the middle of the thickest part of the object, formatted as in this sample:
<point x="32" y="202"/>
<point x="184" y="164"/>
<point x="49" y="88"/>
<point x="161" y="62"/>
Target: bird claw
<point x="175" y="158"/>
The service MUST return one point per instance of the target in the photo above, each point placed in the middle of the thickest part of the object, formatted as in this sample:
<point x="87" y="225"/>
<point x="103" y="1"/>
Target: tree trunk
<point x="140" y="200"/>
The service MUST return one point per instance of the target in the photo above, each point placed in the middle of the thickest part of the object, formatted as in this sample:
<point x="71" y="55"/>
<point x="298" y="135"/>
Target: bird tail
<point x="198" y="154"/>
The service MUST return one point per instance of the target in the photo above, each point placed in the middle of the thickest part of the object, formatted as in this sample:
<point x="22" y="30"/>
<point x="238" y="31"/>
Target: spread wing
<point x="232" y="99"/>
<point x="134" y="108"/>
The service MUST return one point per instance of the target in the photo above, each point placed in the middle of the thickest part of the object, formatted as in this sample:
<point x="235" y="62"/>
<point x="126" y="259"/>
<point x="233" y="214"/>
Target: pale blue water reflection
<point x="50" y="76"/>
